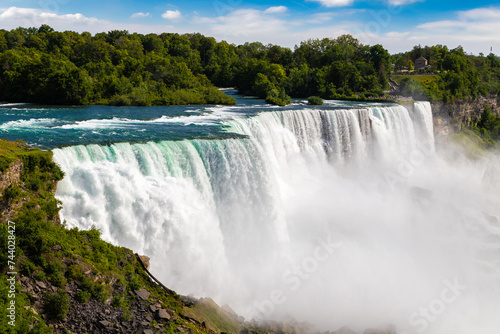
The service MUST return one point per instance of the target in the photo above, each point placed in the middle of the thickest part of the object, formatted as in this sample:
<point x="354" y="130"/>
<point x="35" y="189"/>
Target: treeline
<point x="458" y="75"/>
<point x="45" y="66"/>
<point x="119" y="68"/>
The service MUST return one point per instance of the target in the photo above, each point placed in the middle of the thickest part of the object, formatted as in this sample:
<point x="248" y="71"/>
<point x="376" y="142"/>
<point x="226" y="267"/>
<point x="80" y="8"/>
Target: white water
<point x="246" y="221"/>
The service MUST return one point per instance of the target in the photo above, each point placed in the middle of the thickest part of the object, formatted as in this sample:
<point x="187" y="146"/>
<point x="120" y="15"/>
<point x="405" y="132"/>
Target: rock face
<point x="145" y="260"/>
<point x="100" y="317"/>
<point x="452" y="117"/>
<point x="11" y="176"/>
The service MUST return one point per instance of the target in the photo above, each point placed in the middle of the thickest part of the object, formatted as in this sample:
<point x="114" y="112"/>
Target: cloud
<point x="140" y="15"/>
<point x="276" y="10"/>
<point x="344" y="3"/>
<point x="14" y="17"/>
<point x="246" y="23"/>
<point x="476" y="30"/>
<point x="490" y="13"/>
<point x="33" y="17"/>
<point x="403" y="2"/>
<point x="172" y="15"/>
<point x="335" y="3"/>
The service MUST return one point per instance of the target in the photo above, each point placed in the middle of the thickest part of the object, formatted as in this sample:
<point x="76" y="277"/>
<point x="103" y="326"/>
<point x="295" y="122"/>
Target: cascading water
<point x="338" y="217"/>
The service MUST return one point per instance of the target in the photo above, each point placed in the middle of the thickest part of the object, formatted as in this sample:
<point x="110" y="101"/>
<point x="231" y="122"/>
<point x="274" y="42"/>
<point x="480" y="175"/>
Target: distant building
<point x="421" y="63"/>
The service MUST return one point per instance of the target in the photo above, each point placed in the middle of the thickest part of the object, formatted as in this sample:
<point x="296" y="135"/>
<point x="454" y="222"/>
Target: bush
<point x="135" y="283"/>
<point x="315" y="101"/>
<point x="28" y="267"/>
<point x="58" y="280"/>
<point x="413" y="88"/>
<point x="11" y="193"/>
<point x="118" y="302"/>
<point x="4" y="163"/>
<point x="56" y="305"/>
<point x="82" y="296"/>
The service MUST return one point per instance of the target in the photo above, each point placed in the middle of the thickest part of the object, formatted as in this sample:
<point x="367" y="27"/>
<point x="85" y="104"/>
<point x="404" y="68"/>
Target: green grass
<point x="216" y="319"/>
<point x="424" y="79"/>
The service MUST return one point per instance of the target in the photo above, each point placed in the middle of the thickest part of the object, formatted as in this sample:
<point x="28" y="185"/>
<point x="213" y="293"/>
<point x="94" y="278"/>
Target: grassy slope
<point x="424" y="79"/>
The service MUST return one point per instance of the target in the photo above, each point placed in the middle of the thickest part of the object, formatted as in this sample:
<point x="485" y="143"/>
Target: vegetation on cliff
<point x="488" y="127"/>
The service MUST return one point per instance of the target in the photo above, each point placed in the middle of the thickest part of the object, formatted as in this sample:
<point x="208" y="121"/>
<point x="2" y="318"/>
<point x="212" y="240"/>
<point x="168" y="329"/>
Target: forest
<point x="119" y="68"/>
<point x="41" y="65"/>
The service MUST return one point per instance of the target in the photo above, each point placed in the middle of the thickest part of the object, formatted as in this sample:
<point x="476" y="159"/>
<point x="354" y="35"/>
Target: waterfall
<point x="348" y="214"/>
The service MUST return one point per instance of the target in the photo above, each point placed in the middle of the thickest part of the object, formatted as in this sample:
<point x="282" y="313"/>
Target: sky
<point x="396" y="24"/>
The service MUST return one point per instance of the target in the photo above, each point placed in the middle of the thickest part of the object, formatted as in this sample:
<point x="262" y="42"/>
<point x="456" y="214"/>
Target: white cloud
<point x="14" y="17"/>
<point x="335" y="3"/>
<point x="140" y="15"/>
<point x="32" y="17"/>
<point x="321" y="18"/>
<point x="247" y="23"/>
<point x="172" y="15"/>
<point x="403" y="2"/>
<point x="276" y="10"/>
<point x="344" y="3"/>
<point x="476" y="30"/>
<point x="491" y="13"/>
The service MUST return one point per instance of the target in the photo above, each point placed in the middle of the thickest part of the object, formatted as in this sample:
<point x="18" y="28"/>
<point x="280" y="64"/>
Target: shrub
<point x="118" y="302"/>
<point x="82" y="296"/>
<point x="56" y="305"/>
<point x="40" y="275"/>
<point x="315" y="101"/>
<point x="135" y="283"/>
<point x="11" y="193"/>
<point x="4" y="163"/>
<point x="58" y="280"/>
<point x="28" y="267"/>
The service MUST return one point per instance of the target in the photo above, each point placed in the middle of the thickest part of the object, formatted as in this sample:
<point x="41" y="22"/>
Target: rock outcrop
<point x="11" y="176"/>
<point x="452" y="117"/>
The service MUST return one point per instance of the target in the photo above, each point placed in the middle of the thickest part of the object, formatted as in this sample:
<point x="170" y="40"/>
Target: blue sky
<point x="397" y="24"/>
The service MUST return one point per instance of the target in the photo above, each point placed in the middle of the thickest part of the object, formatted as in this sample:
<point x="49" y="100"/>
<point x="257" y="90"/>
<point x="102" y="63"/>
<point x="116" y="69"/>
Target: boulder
<point x="145" y="260"/>
<point x="143" y="294"/>
<point x="162" y="314"/>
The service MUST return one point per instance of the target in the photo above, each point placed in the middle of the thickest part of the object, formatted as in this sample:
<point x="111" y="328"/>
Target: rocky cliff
<point x="453" y="117"/>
